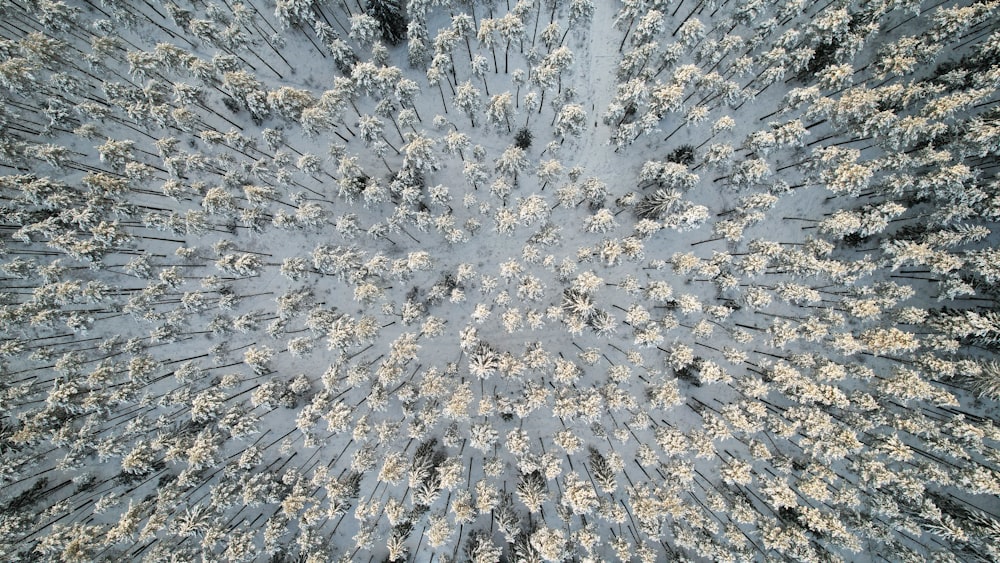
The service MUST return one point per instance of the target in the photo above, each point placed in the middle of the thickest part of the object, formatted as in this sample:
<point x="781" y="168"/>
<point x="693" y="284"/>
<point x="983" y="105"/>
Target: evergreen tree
<point x="392" y="22"/>
<point x="522" y="139"/>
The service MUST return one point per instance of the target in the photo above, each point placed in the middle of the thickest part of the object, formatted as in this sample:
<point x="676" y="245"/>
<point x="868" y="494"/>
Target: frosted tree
<point x="847" y="178"/>
<point x="247" y="90"/>
<point x="365" y="29"/>
<point x="658" y="204"/>
<point x="468" y="98"/>
<point x="455" y="142"/>
<point x="511" y="28"/>
<point x="479" y="67"/>
<point x="116" y="153"/>
<point x="985" y="379"/>
<point x="475" y="174"/>
<point x="419" y="156"/>
<point x="650" y="25"/>
<point x="293" y="12"/>
<point x="258" y="358"/>
<point x="750" y="172"/>
<point x="290" y="102"/>
<point x="370" y="128"/>
<point x="418" y="44"/>
<point x="499" y="110"/>
<point x="581" y="12"/>
<point x="481" y="549"/>
<point x="550" y="544"/>
<point x="571" y="120"/>
<point x="511" y="161"/>
<point x="600" y="222"/>
<point x="552" y="68"/>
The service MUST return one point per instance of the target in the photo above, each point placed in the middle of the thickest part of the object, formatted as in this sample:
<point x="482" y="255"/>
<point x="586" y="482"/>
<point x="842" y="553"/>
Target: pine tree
<point x="499" y="111"/>
<point x="468" y="99"/>
<point x="571" y="120"/>
<point x="389" y="15"/>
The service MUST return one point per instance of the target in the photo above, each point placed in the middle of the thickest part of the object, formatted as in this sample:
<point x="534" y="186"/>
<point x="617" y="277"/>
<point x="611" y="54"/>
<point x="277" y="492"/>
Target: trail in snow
<point x="597" y="71"/>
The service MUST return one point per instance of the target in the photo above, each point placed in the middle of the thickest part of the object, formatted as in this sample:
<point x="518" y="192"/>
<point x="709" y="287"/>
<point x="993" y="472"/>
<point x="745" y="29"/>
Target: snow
<point x="342" y="319"/>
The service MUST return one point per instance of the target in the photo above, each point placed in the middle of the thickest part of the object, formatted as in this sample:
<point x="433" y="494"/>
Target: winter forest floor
<point x="581" y="280"/>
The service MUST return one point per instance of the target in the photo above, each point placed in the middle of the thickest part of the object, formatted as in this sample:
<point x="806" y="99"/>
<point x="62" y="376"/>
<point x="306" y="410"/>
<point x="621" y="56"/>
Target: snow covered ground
<point x="544" y="281"/>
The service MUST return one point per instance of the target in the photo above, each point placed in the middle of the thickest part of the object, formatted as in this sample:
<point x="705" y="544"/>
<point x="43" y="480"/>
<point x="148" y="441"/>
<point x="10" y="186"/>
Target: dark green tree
<point x="390" y="18"/>
<point x="683" y="154"/>
<point x="523" y="138"/>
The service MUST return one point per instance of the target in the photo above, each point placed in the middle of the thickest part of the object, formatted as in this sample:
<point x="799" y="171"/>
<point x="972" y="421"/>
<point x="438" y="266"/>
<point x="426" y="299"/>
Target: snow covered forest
<point x="499" y="280"/>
